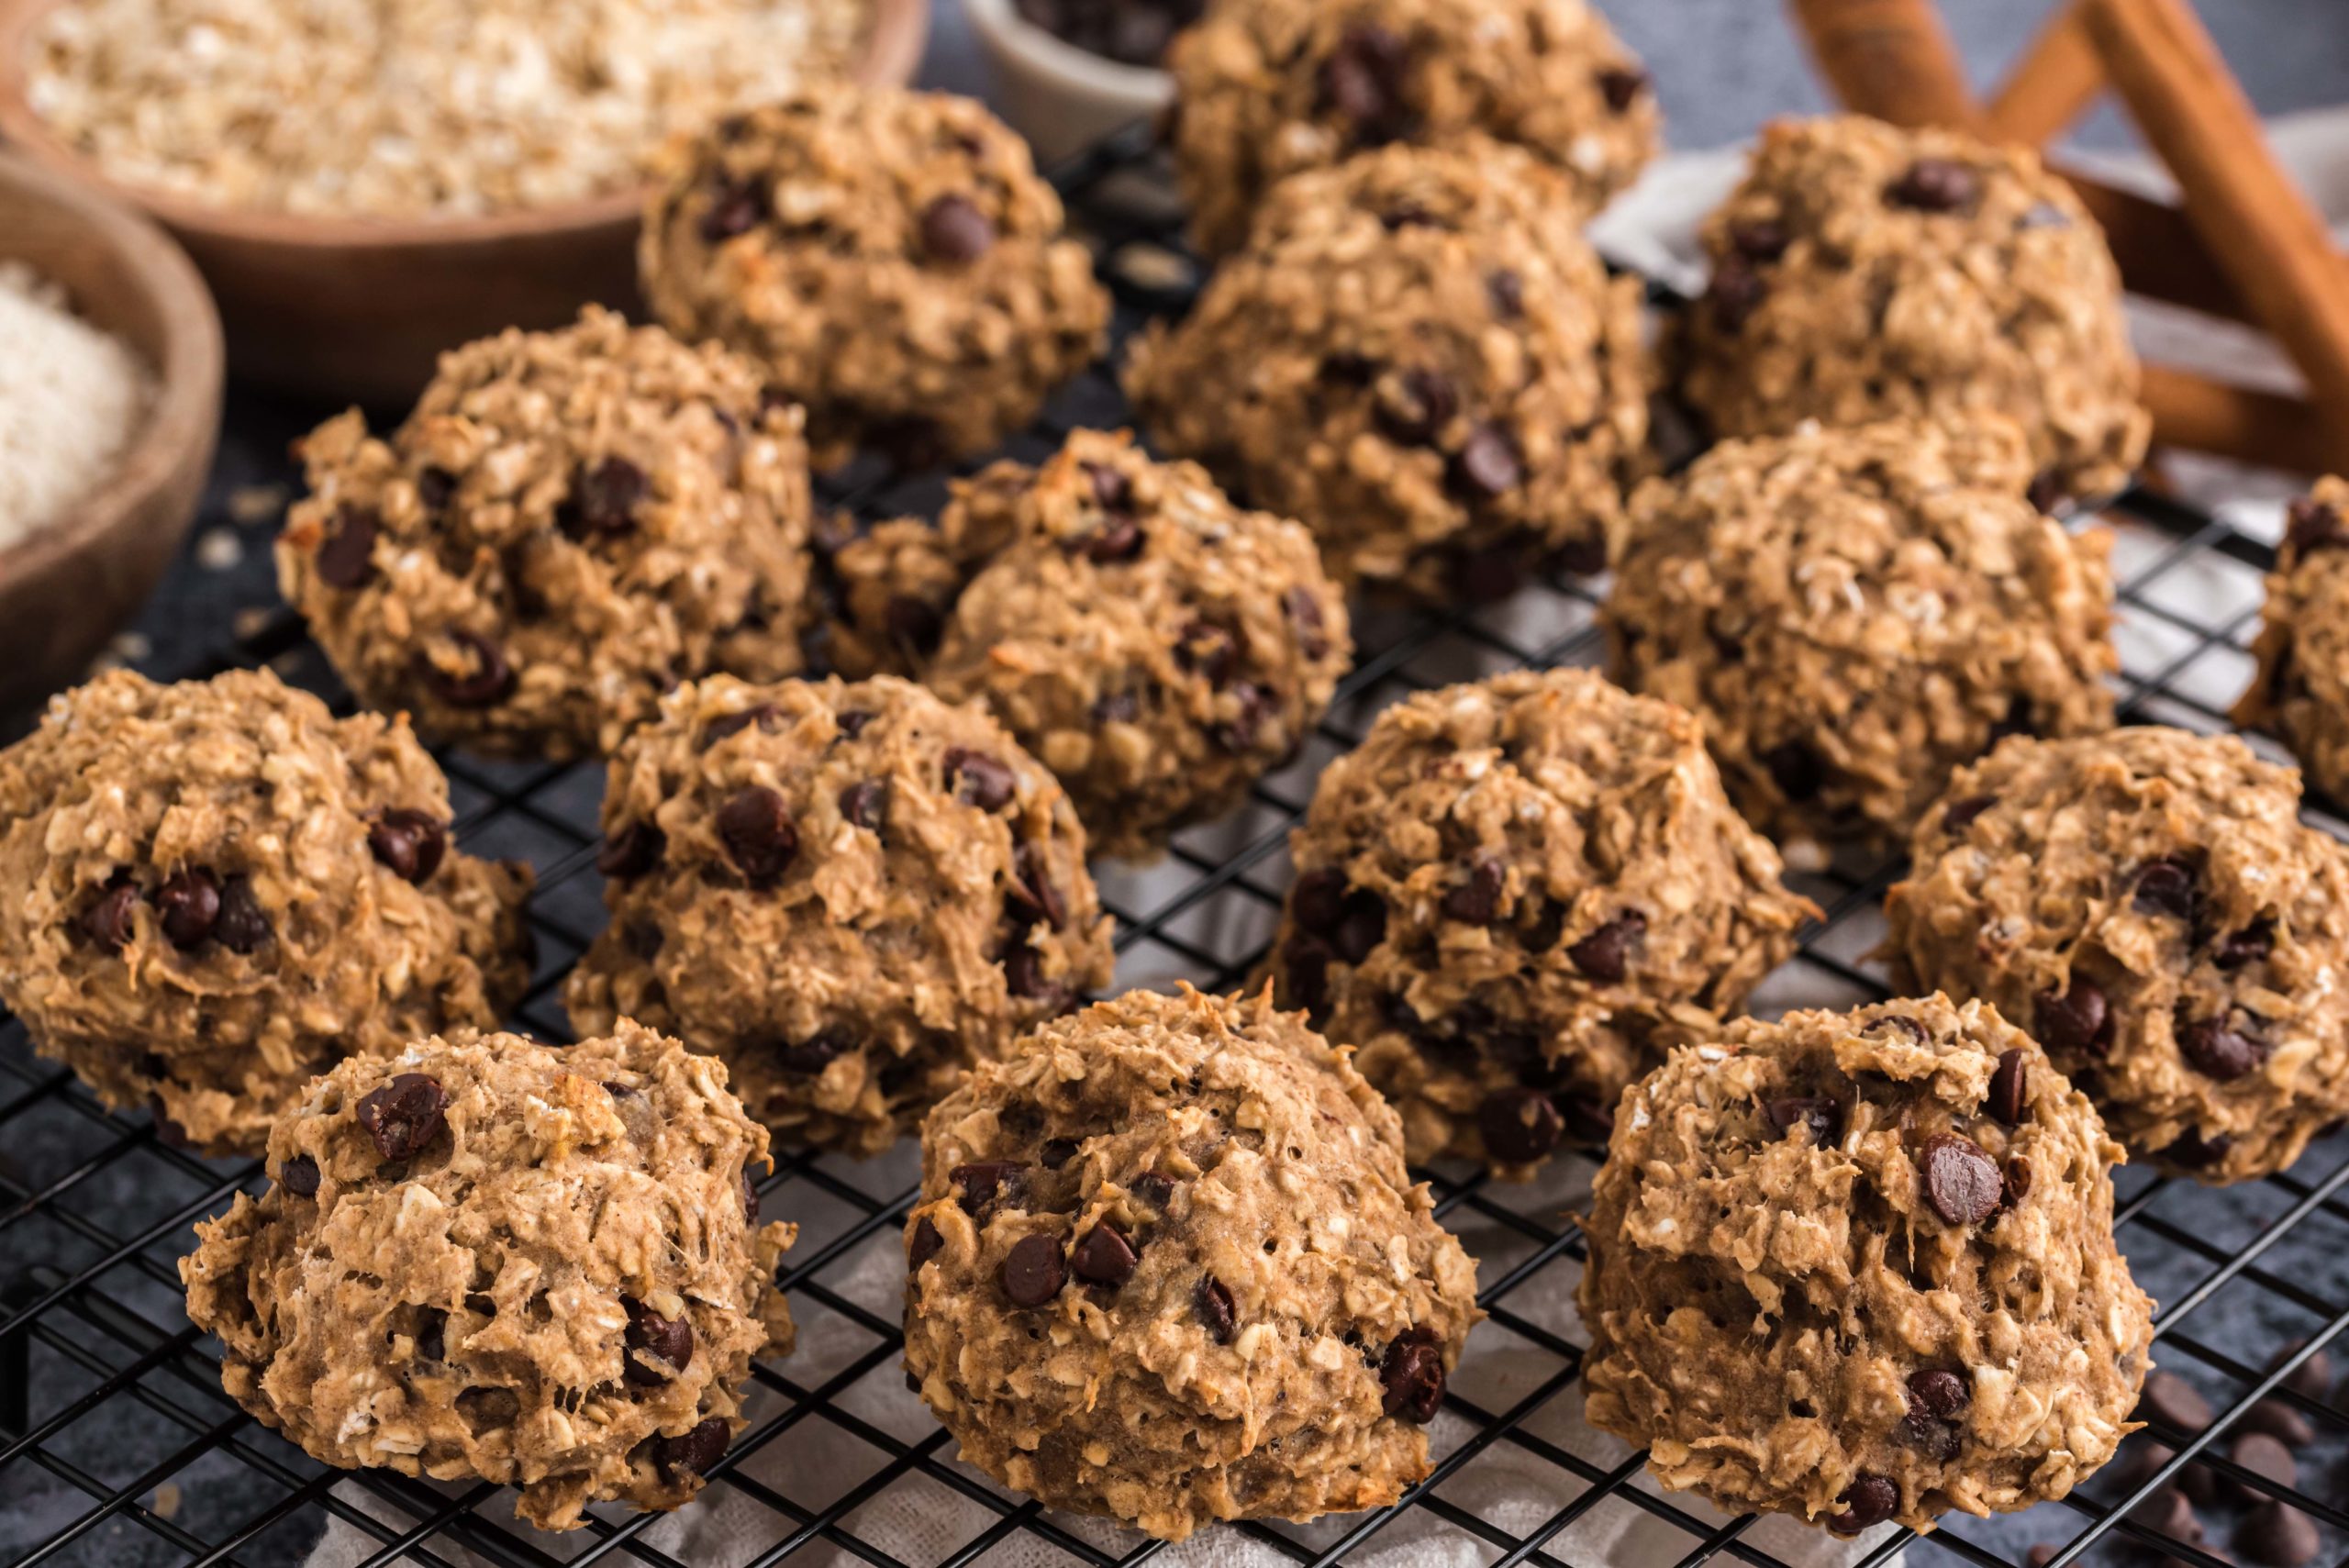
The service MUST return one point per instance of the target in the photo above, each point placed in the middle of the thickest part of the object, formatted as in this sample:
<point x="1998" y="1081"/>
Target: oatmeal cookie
<point x="2150" y="906"/>
<point x="1511" y="894"/>
<point x="1862" y="272"/>
<point x="849" y="893"/>
<point x="2302" y="690"/>
<point x="567" y="525"/>
<point x="1419" y="357"/>
<point x="890" y="258"/>
<point x="211" y="891"/>
<point x="1859" y="1266"/>
<point x="1168" y="1268"/>
<point x="1267" y="88"/>
<point x="1853" y="613"/>
<point x="1156" y="647"/>
<point x="487" y="1259"/>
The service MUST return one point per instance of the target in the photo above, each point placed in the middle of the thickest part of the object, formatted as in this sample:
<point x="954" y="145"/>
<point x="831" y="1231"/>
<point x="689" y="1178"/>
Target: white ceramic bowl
<point x="1057" y="95"/>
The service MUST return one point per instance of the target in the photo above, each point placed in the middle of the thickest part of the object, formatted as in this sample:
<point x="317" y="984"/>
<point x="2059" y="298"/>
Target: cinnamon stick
<point x="2161" y="254"/>
<point x="1891" y="58"/>
<point x="2204" y="415"/>
<point x="2050" y="86"/>
<point x="2260" y="228"/>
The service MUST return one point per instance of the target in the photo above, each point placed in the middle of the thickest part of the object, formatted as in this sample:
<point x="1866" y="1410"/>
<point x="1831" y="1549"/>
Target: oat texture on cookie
<point x="2301" y="692"/>
<point x="486" y="1258"/>
<point x="1167" y="1267"/>
<point x="1511" y="895"/>
<point x="891" y="258"/>
<point x="1859" y="1266"/>
<point x="851" y="894"/>
<point x="567" y="524"/>
<point x="1862" y="272"/>
<point x="1855" y="613"/>
<point x="213" y="890"/>
<point x="1420" y="358"/>
<point x="2150" y="906"/>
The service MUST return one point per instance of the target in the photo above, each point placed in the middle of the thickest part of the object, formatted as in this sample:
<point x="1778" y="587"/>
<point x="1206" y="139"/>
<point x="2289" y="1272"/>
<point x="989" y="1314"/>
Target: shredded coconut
<point x="70" y="397"/>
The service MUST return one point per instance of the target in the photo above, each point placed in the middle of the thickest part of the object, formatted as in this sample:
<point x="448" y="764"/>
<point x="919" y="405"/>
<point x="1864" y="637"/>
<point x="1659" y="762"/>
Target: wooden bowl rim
<point x="892" y="53"/>
<point x="186" y="414"/>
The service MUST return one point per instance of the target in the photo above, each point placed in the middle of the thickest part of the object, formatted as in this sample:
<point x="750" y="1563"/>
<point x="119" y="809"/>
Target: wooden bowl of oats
<point x="362" y="200"/>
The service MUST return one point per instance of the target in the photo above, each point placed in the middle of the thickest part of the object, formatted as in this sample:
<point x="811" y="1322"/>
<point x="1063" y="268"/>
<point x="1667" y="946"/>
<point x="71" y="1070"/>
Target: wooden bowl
<point x="357" y="309"/>
<point x="68" y="588"/>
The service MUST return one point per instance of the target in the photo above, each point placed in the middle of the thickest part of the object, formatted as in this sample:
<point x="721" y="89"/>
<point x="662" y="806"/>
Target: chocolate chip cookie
<point x="1168" y="1268"/>
<point x="567" y="525"/>
<point x="1853" y="613"/>
<point x="1155" y="646"/>
<point x="1267" y="88"/>
<point x="211" y="891"/>
<point x="484" y="1259"/>
<point x="1514" y="893"/>
<point x="1859" y="1266"/>
<point x="2150" y="906"/>
<point x="890" y="258"/>
<point x="1420" y="358"/>
<point x="2302" y="690"/>
<point x="1864" y="271"/>
<point x="850" y="894"/>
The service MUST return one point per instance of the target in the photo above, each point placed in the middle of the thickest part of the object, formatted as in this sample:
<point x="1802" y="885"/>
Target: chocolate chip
<point x="1868" y="1500"/>
<point x="1033" y="1272"/>
<point x="812" y="1055"/>
<point x="2015" y="1179"/>
<point x="1240" y="733"/>
<point x="1307" y="973"/>
<point x="2045" y="492"/>
<point x="1118" y="538"/>
<point x="1207" y="649"/>
<point x="750" y="1192"/>
<point x="1023" y="974"/>
<point x="1036" y="886"/>
<point x="1936" y="1439"/>
<point x="1824" y="1113"/>
<point x="1796" y="769"/>
<point x="1213" y="1303"/>
<point x="300" y="1176"/>
<point x="434" y="487"/>
<point x="645" y="939"/>
<point x="926" y="1244"/>
<point x="490" y="682"/>
<point x="1505" y="291"/>
<point x="2280" y="1422"/>
<point x="1304" y="612"/>
<point x="1605" y="954"/>
<point x="404" y="1115"/>
<point x="735" y="207"/>
<point x="915" y="627"/>
<point x="1056" y="1153"/>
<point x="2167" y="887"/>
<point x="1520" y="1125"/>
<point x="731" y="724"/>
<point x="108" y="920"/>
<point x="1104" y="1257"/>
<point x="1318" y="901"/>
<point x="981" y="1181"/>
<point x="2277" y="1535"/>
<point x="346" y="558"/>
<point x="409" y="844"/>
<point x="2265" y="1455"/>
<point x="2007" y="1086"/>
<point x="1487" y="464"/>
<point x="1961" y="1182"/>
<point x="1759" y="239"/>
<point x="603" y="499"/>
<point x="2313" y="526"/>
<point x="1349" y="369"/>
<point x="632" y="851"/>
<point x="696" y="1450"/>
<point x="1362" y="79"/>
<point x="1477" y="899"/>
<point x="978" y="779"/>
<point x="2219" y="1052"/>
<point x="1936" y="185"/>
<point x="865" y="804"/>
<point x="1152" y="1188"/>
<point x="244" y="925"/>
<point x="665" y="1340"/>
<point x="1361" y="927"/>
<point x="2193" y="1152"/>
<point x="954" y="229"/>
<point x="2143" y="1458"/>
<point x="755" y="825"/>
<point x="1959" y="814"/>
<point x="2077" y="1022"/>
<point x="1421" y="404"/>
<point x="2246" y="947"/>
<point x="2312" y="1379"/>
<point x="2173" y="1401"/>
<point x="187" y="905"/>
<point x="1622" y="85"/>
<point x="1735" y="292"/>
<point x="1940" y="1393"/>
<point x="2168" y="1513"/>
<point x="1412" y="1375"/>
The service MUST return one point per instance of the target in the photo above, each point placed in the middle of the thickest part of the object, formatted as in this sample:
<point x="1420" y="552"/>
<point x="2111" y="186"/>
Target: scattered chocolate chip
<point x="2246" y="947"/>
<point x="2167" y="887"/>
<point x="1959" y="814"/>
<point x="2041" y="1554"/>
<point x="1476" y="900"/>
<point x="978" y="779"/>
<point x="1961" y="1181"/>
<point x="1487" y="463"/>
<point x="2277" y="1535"/>
<point x="1621" y="86"/>
<point x="603" y="499"/>
<point x="1760" y="240"/>
<point x="2218" y="1052"/>
<point x="1056" y="1153"/>
<point x="760" y="837"/>
<point x="404" y="1115"/>
<point x="1605" y="954"/>
<point x="300" y="1176"/>
<point x="2143" y="1457"/>
<point x="244" y="925"/>
<point x="1824" y="1113"/>
<point x="409" y="844"/>
<point x="1421" y="403"/>
<point x="2168" y="1512"/>
<point x="1104" y="1257"/>
<point x="1796" y="769"/>
<point x="1868" y="1500"/>
<point x="1936" y="185"/>
<point x="2173" y="1401"/>
<point x="1735" y="292"/>
<point x="732" y="723"/>
<point x="632" y="851"/>
<point x="2077" y="1020"/>
<point x="982" y="1181"/>
<point x="2009" y="1085"/>
<point x="865" y="804"/>
<point x="735" y="207"/>
<point x="812" y="1055"/>
<point x="2265" y="1455"/>
<point x="696" y="1451"/>
<point x="1505" y="291"/>
<point x="1520" y="1125"/>
<point x="346" y="558"/>
<point x="954" y="229"/>
<point x="187" y="905"/>
<point x="926" y="1244"/>
<point x="2313" y="526"/>
<point x="1412" y="1375"/>
<point x="1213" y="1303"/>
<point x="2312" y="1378"/>
<point x="1362" y="79"/>
<point x="665" y="1340"/>
<point x="2279" y="1421"/>
<point x="491" y="681"/>
<point x="1033" y="1272"/>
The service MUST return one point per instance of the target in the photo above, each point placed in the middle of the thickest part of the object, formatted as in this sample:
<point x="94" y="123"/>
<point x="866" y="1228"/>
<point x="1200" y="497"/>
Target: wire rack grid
<point x="117" y="1445"/>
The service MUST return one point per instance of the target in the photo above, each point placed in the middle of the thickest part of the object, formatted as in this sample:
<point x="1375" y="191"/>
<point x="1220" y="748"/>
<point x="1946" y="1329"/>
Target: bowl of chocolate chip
<point x="1069" y="73"/>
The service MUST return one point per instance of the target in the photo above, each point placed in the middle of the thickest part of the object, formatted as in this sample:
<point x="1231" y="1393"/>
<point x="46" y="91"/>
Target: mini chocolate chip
<point x="865" y="804"/>
<point x="1213" y="1303"/>
<point x="1424" y="401"/>
<point x="978" y="779"/>
<point x="1735" y="292"/>
<point x="732" y="723"/>
<point x="2278" y="1534"/>
<point x="812" y="1055"/>
<point x="1505" y="291"/>
<point x="927" y="1244"/>
<point x="2218" y="1052"/>
<point x="632" y="851"/>
<point x="1520" y="1125"/>
<point x="1961" y="1181"/>
<point x="1759" y="239"/>
<point x="409" y="844"/>
<point x="1959" y="814"/>
<point x="107" y="921"/>
<point x="2246" y="947"/>
<point x="2173" y="1401"/>
<point x="755" y="825"/>
<point x="1868" y="1500"/>
<point x="665" y="1340"/>
<point x="1477" y="899"/>
<point x="491" y="681"/>
<point x="187" y="905"/>
<point x="1412" y="1375"/>
<point x="1796" y="769"/>
<point x="1824" y="1113"/>
<point x="1487" y="463"/>
<point x="1104" y="1257"/>
<point x="696" y="1451"/>
<point x="1056" y="1153"/>
<point x="2015" y="1181"/>
<point x="244" y="925"/>
<point x="736" y="206"/>
<point x="2167" y="887"/>
<point x="1363" y="80"/>
<point x="954" y="229"/>
<point x="346" y="558"/>
<point x="300" y="1176"/>
<point x="603" y="498"/>
<point x="1939" y="1392"/>
<point x="2313" y="526"/>
<point x="404" y="1115"/>
<point x="981" y="1181"/>
<point x="2077" y="1020"/>
<point x="1622" y="85"/>
<point x="2007" y="1086"/>
<point x="1936" y="185"/>
<point x="1605" y="954"/>
<point x="1033" y="1272"/>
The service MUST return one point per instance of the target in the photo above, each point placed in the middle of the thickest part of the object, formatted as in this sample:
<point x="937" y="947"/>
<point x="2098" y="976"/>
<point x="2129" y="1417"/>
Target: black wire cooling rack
<point x="117" y="1447"/>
